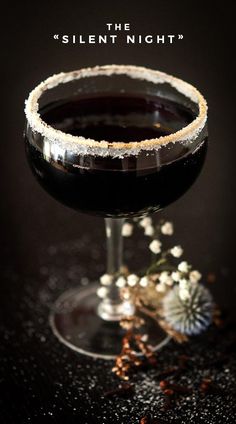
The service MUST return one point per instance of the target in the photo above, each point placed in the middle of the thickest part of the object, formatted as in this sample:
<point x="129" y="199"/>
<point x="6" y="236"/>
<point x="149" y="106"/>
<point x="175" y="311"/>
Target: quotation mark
<point x="56" y="37"/>
<point x="180" y="36"/>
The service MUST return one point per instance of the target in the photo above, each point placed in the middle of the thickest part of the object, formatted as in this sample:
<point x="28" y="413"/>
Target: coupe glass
<point x="134" y="175"/>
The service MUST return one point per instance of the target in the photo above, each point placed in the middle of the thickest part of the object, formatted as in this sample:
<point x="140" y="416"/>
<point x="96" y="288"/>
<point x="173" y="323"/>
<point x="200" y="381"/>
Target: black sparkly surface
<point x="44" y="381"/>
<point x="41" y="380"/>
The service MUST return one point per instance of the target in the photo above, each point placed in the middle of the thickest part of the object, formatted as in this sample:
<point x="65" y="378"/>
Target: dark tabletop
<point x="47" y="248"/>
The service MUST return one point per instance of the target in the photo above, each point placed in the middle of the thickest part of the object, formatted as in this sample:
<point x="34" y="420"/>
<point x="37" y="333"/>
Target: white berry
<point x="132" y="280"/>
<point x="127" y="229"/>
<point x="102" y="292"/>
<point x="144" y="282"/>
<point x="121" y="282"/>
<point x="155" y="246"/>
<point x="145" y="221"/>
<point x="176" y="251"/>
<point x="106" y="279"/>
<point x="183" y="266"/>
<point x="176" y="275"/>
<point x="195" y="276"/>
<point x="167" y="229"/>
<point x="149" y="230"/>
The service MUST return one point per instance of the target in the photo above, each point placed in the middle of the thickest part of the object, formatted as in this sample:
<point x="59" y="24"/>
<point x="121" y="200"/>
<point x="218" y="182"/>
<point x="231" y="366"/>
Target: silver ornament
<point x="190" y="316"/>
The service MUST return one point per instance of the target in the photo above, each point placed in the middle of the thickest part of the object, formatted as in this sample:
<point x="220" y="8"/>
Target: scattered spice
<point x="167" y="373"/>
<point x="211" y="277"/>
<point x="147" y="419"/>
<point x="217" y="317"/>
<point x="207" y="386"/>
<point x="174" y="388"/>
<point x="128" y="359"/>
<point x="123" y="390"/>
<point x="168" y="394"/>
<point x="182" y="361"/>
<point x="145" y="349"/>
<point x="163" y="385"/>
<point x="171" y="392"/>
<point x="180" y="389"/>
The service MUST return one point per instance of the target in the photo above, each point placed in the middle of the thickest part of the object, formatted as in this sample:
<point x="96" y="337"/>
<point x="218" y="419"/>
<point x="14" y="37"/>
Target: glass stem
<point x="112" y="308"/>
<point x="114" y="252"/>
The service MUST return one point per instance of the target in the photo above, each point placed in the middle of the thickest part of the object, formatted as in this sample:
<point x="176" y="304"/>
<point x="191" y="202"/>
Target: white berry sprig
<point x="167" y="273"/>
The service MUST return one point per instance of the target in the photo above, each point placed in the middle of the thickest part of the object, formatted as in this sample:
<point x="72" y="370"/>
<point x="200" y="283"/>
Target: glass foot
<point x="76" y="323"/>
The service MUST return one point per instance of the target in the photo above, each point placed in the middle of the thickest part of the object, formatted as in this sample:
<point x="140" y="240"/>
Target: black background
<point x="34" y="226"/>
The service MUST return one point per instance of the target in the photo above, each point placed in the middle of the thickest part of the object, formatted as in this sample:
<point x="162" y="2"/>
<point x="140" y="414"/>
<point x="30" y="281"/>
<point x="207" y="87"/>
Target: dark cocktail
<point x="115" y="141"/>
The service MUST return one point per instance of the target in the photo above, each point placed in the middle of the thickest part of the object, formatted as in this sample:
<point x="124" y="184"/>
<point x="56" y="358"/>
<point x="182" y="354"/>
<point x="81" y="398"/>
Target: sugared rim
<point x="187" y="133"/>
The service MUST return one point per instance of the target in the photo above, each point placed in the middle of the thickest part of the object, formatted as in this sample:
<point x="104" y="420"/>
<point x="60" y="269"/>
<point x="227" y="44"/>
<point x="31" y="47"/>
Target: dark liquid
<point x="118" y="186"/>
